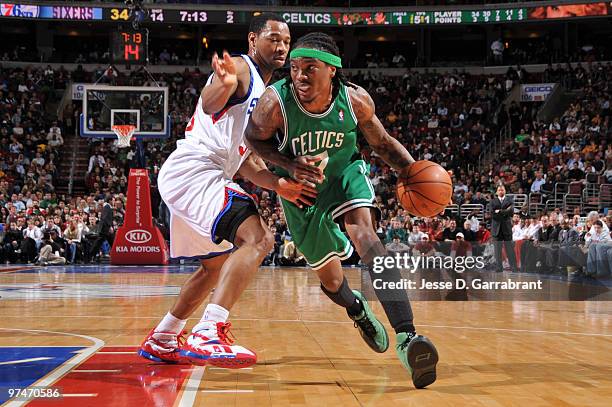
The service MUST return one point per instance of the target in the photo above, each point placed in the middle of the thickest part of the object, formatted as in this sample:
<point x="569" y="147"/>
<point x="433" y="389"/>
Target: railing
<point x="453" y="209"/>
<point x="590" y="197"/>
<point x="552" y="204"/>
<point x="494" y="146"/>
<point x="605" y="196"/>
<point x="536" y="205"/>
<point x="561" y="188"/>
<point x="466" y="209"/>
<point x="571" y="202"/>
<point x="520" y="200"/>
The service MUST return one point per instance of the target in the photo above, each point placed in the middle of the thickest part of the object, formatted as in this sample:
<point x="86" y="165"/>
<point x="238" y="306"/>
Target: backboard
<point x="145" y="107"/>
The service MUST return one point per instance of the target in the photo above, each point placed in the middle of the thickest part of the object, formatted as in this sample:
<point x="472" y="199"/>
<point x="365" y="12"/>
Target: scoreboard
<point x="458" y="16"/>
<point x="129" y="47"/>
<point x="243" y="15"/>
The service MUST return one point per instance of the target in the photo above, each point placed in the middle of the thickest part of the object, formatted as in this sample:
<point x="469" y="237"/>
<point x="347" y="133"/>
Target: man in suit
<point x="103" y="228"/>
<point x="502" y="209"/>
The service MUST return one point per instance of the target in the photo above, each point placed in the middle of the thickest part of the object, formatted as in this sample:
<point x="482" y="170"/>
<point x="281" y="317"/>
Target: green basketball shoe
<point x="419" y="356"/>
<point x="370" y="328"/>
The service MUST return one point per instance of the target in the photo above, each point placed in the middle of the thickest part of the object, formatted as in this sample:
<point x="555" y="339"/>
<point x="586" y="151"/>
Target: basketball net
<point x="124" y="134"/>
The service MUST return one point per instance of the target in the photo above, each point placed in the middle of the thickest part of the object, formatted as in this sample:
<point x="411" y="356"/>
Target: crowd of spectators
<point x="444" y="117"/>
<point x="34" y="218"/>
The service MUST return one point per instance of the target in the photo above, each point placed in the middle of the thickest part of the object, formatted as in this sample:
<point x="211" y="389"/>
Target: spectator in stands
<point x="104" y="229"/>
<point x="416" y="234"/>
<point x="49" y="252"/>
<point x="569" y="255"/>
<point x="483" y="235"/>
<point x="461" y="247"/>
<point x="425" y="247"/>
<point x="291" y="256"/>
<point x="537" y="183"/>
<point x="61" y="243"/>
<point x="73" y="237"/>
<point x="396" y="229"/>
<point x="32" y="239"/>
<point x="468" y="234"/>
<point x="96" y="161"/>
<point x="396" y="245"/>
<point x="11" y="243"/>
<point x="575" y="173"/>
<point x="398" y="60"/>
<point x="450" y="233"/>
<point x="51" y="226"/>
<point x="599" y="246"/>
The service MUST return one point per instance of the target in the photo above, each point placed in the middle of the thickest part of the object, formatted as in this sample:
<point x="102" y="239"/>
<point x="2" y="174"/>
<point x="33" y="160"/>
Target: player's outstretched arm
<point x="264" y="122"/>
<point x="255" y="170"/>
<point x="228" y="72"/>
<point x="390" y="150"/>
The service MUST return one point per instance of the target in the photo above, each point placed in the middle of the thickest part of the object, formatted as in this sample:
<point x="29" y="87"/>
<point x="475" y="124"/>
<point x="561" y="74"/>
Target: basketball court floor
<point x="77" y="329"/>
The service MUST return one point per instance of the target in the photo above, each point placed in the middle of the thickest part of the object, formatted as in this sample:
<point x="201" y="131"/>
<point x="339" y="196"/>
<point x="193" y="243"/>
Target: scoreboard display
<point x="158" y="15"/>
<point x="129" y="47"/>
<point x="412" y="16"/>
<point x="458" y="16"/>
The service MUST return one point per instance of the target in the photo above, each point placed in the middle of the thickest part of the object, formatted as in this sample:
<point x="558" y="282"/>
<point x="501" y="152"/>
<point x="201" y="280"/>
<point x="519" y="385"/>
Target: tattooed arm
<point x="264" y="122"/>
<point x="390" y="150"/>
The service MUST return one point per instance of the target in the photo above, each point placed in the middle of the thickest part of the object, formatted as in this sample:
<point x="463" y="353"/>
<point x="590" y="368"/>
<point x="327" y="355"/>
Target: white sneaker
<point x="213" y="346"/>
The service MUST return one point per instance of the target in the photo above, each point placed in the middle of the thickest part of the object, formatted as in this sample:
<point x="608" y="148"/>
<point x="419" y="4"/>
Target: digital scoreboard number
<point x="130" y="47"/>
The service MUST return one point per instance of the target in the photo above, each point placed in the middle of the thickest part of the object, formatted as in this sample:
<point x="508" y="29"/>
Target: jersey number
<point x="252" y="105"/>
<point x="324" y="158"/>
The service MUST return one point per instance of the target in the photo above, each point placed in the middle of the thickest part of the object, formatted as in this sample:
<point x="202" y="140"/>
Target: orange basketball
<point x="425" y="190"/>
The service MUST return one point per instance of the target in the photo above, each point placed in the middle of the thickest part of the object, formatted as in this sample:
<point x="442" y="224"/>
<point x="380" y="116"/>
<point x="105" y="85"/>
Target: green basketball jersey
<point x="330" y="135"/>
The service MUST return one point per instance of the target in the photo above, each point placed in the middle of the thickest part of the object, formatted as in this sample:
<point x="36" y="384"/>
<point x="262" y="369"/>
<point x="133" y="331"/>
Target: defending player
<point x="317" y="112"/>
<point x="211" y="215"/>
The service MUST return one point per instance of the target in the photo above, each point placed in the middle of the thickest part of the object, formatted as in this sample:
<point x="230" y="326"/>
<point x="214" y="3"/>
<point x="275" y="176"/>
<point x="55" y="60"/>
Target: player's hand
<point x="302" y="169"/>
<point x="224" y="69"/>
<point x="293" y="191"/>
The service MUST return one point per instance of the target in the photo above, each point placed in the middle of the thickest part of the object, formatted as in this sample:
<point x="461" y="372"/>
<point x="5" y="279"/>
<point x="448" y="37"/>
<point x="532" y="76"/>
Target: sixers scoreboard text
<point x="50" y="12"/>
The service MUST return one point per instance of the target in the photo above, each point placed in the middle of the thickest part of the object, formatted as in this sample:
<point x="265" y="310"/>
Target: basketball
<point x="425" y="190"/>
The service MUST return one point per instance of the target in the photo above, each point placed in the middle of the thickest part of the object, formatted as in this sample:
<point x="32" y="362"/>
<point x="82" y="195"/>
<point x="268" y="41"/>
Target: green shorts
<point x="314" y="229"/>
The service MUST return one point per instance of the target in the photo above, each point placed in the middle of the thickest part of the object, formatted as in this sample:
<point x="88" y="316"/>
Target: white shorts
<point x="194" y="188"/>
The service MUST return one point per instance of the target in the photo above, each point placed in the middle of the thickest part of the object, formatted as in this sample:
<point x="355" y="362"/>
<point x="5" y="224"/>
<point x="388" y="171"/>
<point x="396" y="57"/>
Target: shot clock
<point x="129" y="46"/>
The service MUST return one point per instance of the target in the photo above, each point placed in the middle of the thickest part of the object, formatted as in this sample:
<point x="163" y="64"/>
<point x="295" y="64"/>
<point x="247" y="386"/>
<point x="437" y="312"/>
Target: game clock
<point x="130" y="47"/>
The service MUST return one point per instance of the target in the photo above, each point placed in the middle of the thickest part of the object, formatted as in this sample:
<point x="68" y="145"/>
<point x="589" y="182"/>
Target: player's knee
<point x="364" y="236"/>
<point x="262" y="242"/>
<point x="208" y="272"/>
<point x="332" y="284"/>
<point x="266" y="244"/>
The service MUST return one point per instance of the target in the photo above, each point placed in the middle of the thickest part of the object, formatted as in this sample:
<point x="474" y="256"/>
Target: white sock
<point x="170" y="323"/>
<point x="212" y="313"/>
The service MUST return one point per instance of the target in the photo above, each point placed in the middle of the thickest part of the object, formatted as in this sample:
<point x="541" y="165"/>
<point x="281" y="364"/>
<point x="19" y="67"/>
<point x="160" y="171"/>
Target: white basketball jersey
<point x="220" y="136"/>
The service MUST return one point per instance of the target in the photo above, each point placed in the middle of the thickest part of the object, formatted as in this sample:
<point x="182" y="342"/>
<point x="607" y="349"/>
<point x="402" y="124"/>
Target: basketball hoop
<point x="124" y="134"/>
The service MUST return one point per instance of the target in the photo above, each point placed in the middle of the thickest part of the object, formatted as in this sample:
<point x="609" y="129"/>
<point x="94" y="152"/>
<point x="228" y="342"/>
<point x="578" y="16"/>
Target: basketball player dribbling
<point x="212" y="218"/>
<point x="317" y="113"/>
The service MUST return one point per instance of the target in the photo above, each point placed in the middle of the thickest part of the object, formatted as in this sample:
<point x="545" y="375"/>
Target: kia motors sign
<point x="536" y="92"/>
<point x="138" y="236"/>
<point x="138" y="241"/>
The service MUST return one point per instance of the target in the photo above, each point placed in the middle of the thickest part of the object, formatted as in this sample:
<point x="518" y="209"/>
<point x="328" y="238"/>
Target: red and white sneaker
<point x="213" y="346"/>
<point x="162" y="346"/>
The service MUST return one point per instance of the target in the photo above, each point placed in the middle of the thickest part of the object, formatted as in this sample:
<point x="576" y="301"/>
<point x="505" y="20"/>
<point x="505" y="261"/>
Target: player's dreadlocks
<point x="323" y="42"/>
